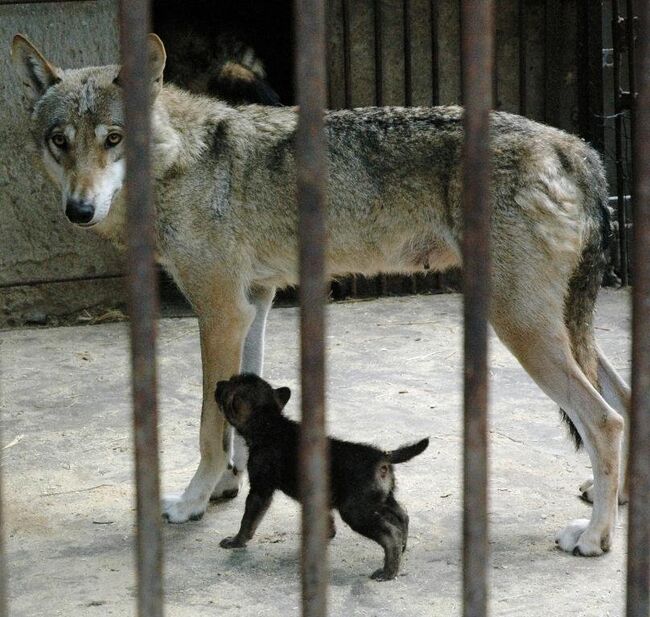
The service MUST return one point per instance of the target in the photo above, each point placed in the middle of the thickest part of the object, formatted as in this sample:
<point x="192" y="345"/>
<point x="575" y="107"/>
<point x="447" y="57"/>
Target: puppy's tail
<point x="406" y="453"/>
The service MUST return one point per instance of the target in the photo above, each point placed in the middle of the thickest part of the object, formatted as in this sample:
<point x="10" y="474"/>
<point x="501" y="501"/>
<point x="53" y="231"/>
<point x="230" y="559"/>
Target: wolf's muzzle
<point x="79" y="212"/>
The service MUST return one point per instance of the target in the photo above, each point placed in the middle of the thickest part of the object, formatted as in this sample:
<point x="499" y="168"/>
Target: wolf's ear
<point x="282" y="396"/>
<point x="157" y="59"/>
<point x="36" y="73"/>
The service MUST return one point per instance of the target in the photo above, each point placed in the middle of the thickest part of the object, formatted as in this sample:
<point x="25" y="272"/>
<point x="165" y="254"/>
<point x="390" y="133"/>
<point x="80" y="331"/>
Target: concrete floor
<point x="394" y="376"/>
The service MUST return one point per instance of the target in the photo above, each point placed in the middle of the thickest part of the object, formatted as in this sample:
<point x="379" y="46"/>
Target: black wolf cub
<point x="362" y="477"/>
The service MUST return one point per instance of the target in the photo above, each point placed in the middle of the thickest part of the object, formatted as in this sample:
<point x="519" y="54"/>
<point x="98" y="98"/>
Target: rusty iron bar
<point x="408" y="53"/>
<point x="638" y="556"/>
<point x="347" y="87"/>
<point x="523" y="57"/>
<point x="311" y="172"/>
<point x="477" y="69"/>
<point x="379" y="54"/>
<point x="623" y="259"/>
<point x="135" y="21"/>
<point x="435" y="51"/>
<point x="3" y="558"/>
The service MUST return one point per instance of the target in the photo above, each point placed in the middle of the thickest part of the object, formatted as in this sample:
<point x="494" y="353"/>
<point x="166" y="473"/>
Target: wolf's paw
<point x="176" y="509"/>
<point x="579" y="539"/>
<point x="228" y="485"/>
<point x="587" y="493"/>
<point x="232" y="542"/>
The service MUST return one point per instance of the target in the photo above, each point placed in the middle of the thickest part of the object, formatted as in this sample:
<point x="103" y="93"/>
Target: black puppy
<point x="362" y="479"/>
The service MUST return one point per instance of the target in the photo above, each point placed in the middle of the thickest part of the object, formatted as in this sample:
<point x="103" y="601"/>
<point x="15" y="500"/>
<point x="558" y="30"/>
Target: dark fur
<point x="585" y="283"/>
<point x="362" y="477"/>
<point x="204" y="64"/>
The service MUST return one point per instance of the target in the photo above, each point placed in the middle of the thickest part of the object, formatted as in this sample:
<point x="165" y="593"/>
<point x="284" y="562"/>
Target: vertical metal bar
<point x="638" y="557"/>
<point x="435" y="52"/>
<point x="347" y="59"/>
<point x="408" y="53"/>
<point x="311" y="167"/>
<point x="347" y="81"/>
<point x="523" y="57"/>
<point x="382" y="282"/>
<point x="3" y="562"/>
<point x="553" y="60"/>
<point x="477" y="69"/>
<point x="143" y="299"/>
<point x="623" y="263"/>
<point x="379" y="54"/>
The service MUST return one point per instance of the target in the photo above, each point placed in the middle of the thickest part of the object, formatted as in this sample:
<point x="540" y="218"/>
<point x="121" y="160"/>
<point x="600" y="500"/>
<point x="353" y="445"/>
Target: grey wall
<point x="36" y="242"/>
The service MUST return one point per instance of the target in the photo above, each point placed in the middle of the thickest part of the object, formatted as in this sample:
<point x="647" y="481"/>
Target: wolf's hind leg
<point x="545" y="353"/>
<point x="617" y="393"/>
<point x="229" y="483"/>
<point x="224" y="319"/>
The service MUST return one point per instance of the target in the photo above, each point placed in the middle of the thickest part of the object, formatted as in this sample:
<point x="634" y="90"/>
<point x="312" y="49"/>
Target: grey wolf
<point x="362" y="477"/>
<point x="224" y="180"/>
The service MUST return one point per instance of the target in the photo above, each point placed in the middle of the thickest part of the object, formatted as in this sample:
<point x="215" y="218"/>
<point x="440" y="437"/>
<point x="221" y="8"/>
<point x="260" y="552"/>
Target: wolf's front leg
<point x="222" y="327"/>
<point x="230" y="482"/>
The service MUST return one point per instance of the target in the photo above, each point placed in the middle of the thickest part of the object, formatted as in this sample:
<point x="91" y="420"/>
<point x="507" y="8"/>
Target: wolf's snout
<point x="79" y="212"/>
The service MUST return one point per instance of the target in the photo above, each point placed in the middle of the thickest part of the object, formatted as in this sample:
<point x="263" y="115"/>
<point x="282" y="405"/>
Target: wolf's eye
<point x="112" y="139"/>
<point x="59" y="140"/>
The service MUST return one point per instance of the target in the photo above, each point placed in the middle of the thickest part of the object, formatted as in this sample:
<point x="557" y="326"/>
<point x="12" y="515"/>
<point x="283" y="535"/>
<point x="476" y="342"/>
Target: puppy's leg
<point x="617" y="393"/>
<point x="229" y="484"/>
<point x="397" y="515"/>
<point x="257" y="503"/>
<point x="366" y="520"/>
<point x="224" y="319"/>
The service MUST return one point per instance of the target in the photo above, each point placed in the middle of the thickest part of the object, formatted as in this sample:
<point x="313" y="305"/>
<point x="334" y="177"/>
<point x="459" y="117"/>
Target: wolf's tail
<point x="406" y="453"/>
<point x="580" y="299"/>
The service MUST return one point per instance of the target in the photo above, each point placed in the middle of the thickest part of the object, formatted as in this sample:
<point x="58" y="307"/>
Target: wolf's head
<point x="78" y="126"/>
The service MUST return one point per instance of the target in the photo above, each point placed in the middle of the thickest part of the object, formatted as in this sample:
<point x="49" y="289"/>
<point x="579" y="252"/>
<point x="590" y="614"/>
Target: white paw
<point x="578" y="538"/>
<point x="178" y="509"/>
<point x="228" y="485"/>
<point x="587" y="493"/>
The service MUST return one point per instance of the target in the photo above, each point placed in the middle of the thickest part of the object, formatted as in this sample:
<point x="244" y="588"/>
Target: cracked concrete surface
<point x="393" y="376"/>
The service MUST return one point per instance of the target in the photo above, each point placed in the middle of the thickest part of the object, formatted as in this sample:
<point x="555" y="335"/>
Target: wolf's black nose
<point x="79" y="211"/>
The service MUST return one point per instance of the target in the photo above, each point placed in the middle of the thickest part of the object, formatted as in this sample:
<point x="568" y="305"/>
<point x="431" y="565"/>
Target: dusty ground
<point x="394" y="376"/>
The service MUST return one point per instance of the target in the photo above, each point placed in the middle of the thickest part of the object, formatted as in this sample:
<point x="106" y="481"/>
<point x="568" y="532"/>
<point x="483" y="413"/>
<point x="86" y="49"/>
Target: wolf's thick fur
<point x="362" y="476"/>
<point x="226" y="230"/>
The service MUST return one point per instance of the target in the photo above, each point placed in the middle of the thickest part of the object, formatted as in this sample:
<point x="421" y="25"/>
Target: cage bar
<point x="143" y="300"/>
<point x="638" y="557"/>
<point x="311" y="168"/>
<point x="477" y="69"/>
<point x="623" y="259"/>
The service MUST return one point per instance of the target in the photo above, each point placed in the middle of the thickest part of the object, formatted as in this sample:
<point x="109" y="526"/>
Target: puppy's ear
<point x="282" y="396"/>
<point x="157" y="60"/>
<point x="35" y="72"/>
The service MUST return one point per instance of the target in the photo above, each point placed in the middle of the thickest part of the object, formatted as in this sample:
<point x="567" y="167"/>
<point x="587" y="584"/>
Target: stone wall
<point x="36" y="241"/>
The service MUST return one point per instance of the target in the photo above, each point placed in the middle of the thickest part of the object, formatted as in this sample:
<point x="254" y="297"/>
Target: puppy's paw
<point x="228" y="485"/>
<point x="232" y="542"/>
<point x="176" y="509"/>
<point x="381" y="575"/>
<point x="578" y="538"/>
